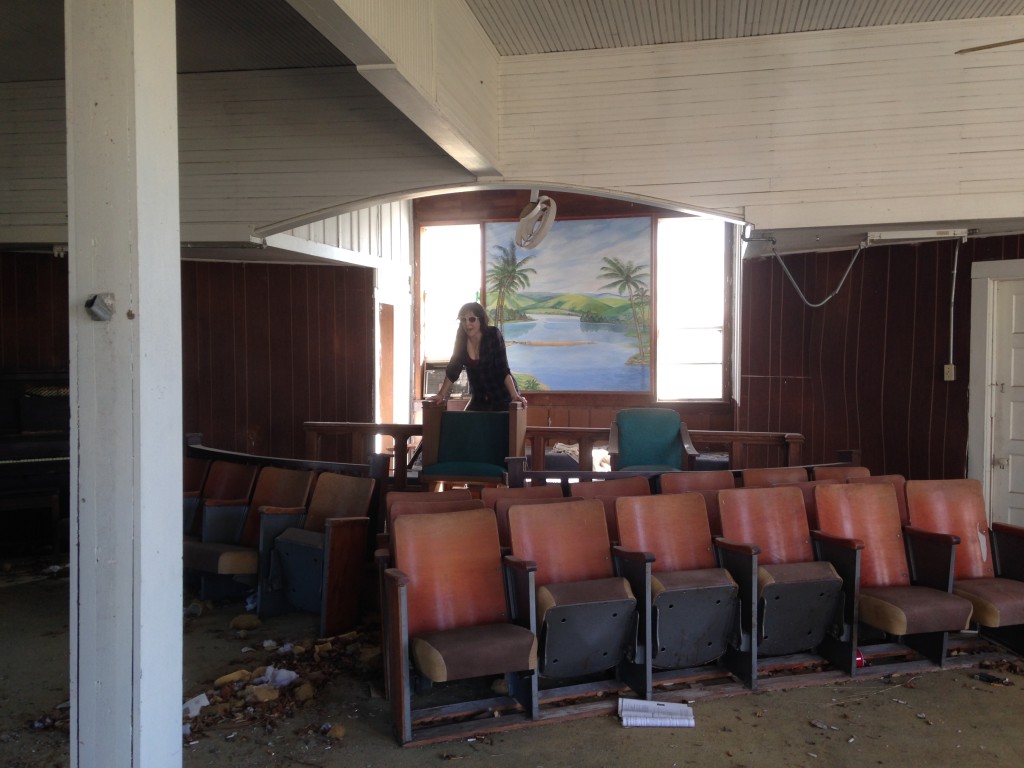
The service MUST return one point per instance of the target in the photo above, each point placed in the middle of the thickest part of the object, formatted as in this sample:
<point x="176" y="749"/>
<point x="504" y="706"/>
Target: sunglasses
<point x="469" y="318"/>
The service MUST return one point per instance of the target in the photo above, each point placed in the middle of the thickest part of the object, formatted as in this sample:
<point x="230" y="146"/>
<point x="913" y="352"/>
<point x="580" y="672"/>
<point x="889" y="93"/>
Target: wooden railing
<point x="363" y="434"/>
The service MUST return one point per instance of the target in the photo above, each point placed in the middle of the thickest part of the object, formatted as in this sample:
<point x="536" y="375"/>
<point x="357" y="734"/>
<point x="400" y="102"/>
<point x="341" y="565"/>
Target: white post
<point x="126" y="425"/>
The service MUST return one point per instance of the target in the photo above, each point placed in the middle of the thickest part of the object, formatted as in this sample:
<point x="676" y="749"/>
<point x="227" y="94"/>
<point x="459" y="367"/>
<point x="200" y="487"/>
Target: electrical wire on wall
<point x="827" y="299"/>
<point x="949" y="371"/>
<point x="785" y="269"/>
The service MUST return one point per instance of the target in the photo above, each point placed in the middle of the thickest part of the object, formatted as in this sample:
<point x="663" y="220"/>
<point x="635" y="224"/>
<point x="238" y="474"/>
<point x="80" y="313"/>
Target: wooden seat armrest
<point x="1010" y="531"/>
<point x="1008" y="550"/>
<point x="337" y="522"/>
<point x="269" y="510"/>
<point x="632" y="555"/>
<point x="519" y="591"/>
<point x="930" y="557"/>
<point x="191" y="494"/>
<point x="689" y="449"/>
<point x="844" y="554"/>
<point x="738" y="547"/>
<point x="208" y="503"/>
<point x="396" y="578"/>
<point x="635" y="567"/>
<point x="382" y="556"/>
<point x="518" y="564"/>
<point x="922" y="535"/>
<point x="836" y="541"/>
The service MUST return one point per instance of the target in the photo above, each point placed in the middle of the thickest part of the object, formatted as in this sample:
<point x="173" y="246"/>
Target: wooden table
<point x="586" y="437"/>
<point x="363" y="435"/>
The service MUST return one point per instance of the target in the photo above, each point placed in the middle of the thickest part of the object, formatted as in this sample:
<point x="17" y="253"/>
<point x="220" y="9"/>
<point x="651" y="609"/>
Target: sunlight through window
<point x="691" y="308"/>
<point x="449" y="277"/>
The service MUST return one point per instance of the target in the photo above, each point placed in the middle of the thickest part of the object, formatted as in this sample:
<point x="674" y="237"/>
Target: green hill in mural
<point x="589" y="308"/>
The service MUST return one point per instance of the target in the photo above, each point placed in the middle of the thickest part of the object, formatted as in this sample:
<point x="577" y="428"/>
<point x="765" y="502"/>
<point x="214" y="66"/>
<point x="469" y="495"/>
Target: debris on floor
<point x="283" y="678"/>
<point x="655" y="714"/>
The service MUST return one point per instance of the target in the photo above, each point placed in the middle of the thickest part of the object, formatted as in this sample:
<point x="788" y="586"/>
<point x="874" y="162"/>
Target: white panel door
<point x="1007" y="492"/>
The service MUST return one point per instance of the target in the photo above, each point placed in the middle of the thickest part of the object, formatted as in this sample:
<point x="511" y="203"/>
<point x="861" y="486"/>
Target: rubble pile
<point x="283" y="678"/>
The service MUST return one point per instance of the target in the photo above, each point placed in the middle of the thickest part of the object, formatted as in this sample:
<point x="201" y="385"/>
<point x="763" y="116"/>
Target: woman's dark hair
<point x="474" y="308"/>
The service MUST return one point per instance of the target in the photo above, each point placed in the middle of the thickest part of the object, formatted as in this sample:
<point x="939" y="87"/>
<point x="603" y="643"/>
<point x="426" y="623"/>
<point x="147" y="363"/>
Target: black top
<point x="486" y="375"/>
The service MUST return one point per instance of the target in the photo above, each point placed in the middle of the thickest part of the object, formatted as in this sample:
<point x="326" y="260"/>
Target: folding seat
<point x="707" y="483"/>
<point x="989" y="564"/>
<point x="899" y="486"/>
<point x="450" y="494"/>
<point x="839" y="474"/>
<point x="470" y="447"/>
<point x="584" y="615"/>
<point x="224" y="483"/>
<point x="906" y="599"/>
<point x="806" y="488"/>
<point x="528" y="493"/>
<point x="227" y="556"/>
<point x="500" y="498"/>
<point x="762" y="477"/>
<point x="451" y="621"/>
<point x="694" y="606"/>
<point x="317" y="562"/>
<point x="791" y="603"/>
<point x="412" y="503"/>
<point x="607" y="491"/>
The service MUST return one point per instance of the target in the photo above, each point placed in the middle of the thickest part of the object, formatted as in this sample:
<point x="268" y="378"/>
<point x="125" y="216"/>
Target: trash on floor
<point x="655" y="714"/>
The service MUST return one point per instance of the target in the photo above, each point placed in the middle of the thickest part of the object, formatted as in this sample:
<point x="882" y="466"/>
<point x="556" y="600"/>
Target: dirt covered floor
<point x="333" y="714"/>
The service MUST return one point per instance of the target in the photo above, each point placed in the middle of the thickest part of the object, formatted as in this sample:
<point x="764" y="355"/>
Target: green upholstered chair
<point x="653" y="439"/>
<point x="470" y="447"/>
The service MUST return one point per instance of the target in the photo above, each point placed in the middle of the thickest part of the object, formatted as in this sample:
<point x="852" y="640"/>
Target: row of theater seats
<point x="297" y="537"/>
<point x="567" y="606"/>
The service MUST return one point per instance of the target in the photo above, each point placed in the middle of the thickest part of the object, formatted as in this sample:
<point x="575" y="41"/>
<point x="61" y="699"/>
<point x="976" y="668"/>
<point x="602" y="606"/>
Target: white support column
<point x="126" y="425"/>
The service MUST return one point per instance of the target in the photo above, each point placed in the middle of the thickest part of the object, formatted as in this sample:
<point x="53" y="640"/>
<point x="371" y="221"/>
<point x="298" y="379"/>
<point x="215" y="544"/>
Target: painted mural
<point x="576" y="310"/>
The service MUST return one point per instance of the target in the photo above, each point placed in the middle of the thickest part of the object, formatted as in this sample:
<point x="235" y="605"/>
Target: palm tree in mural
<point x="506" y="276"/>
<point x="643" y="301"/>
<point x="627" y="278"/>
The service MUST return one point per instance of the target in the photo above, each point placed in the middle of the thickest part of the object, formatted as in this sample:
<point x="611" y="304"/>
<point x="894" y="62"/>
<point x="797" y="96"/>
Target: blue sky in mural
<point x="570" y="256"/>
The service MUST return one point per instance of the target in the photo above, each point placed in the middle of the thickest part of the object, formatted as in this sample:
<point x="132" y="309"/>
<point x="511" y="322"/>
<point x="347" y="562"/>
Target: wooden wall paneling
<point x="190" y="400"/>
<point x="33" y="312"/>
<point x="929" y="344"/>
<point x="899" y="359"/>
<point x="257" y="363"/>
<point x="270" y="346"/>
<point x="286" y="311"/>
<point x="221" y="378"/>
<point x="327" y="301"/>
<point x="830" y="396"/>
<point x="759" y="289"/>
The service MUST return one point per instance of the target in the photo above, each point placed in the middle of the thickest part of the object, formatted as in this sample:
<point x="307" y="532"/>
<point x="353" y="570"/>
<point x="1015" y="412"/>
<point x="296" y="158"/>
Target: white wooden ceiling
<point x="519" y="27"/>
<point x="231" y="35"/>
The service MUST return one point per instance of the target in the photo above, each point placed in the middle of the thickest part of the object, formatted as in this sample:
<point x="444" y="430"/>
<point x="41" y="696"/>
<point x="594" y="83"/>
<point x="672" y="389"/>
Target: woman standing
<point x="480" y="350"/>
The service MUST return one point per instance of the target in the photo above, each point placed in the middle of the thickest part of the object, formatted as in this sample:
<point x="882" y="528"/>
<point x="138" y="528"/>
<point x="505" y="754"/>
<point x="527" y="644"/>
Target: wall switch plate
<point x="949" y="372"/>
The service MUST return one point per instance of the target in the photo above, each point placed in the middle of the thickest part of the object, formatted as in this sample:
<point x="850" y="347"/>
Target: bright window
<point x="449" y="277"/>
<point x="690" y="295"/>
